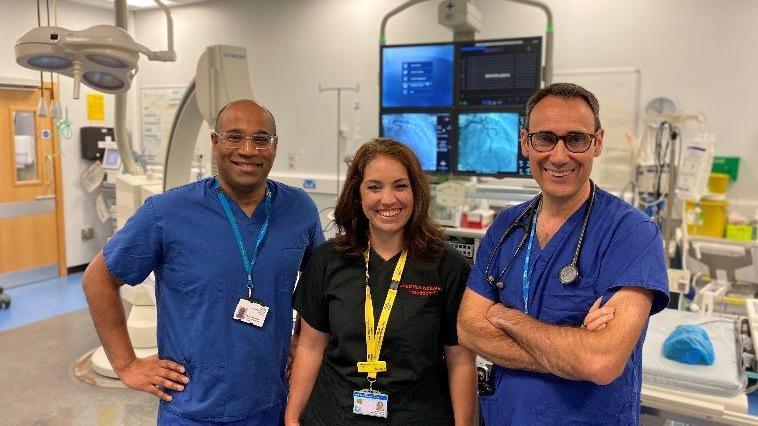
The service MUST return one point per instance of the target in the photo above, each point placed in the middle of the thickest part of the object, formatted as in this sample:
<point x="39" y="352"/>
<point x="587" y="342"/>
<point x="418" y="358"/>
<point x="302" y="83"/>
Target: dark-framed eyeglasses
<point x="575" y="142"/>
<point x="260" y="141"/>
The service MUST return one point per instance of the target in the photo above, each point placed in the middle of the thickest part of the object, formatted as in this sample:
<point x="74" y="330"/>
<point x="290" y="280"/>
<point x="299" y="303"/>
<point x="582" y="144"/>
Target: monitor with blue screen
<point x="488" y="144"/>
<point x="427" y="135"/>
<point x="417" y="76"/>
<point x="459" y="105"/>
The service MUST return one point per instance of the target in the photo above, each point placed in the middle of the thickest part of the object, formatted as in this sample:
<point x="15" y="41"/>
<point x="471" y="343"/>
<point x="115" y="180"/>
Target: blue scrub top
<point x="622" y="248"/>
<point x="236" y="370"/>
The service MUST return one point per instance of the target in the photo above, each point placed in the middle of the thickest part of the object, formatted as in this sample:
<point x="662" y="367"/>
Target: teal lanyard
<point x="525" y="277"/>
<point x="249" y="263"/>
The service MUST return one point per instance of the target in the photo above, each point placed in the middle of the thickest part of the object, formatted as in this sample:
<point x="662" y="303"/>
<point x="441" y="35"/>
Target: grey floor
<point x="38" y="386"/>
<point x="37" y="356"/>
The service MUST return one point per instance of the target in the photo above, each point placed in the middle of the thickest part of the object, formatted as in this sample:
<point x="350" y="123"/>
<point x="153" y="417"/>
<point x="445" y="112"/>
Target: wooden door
<point x="31" y="215"/>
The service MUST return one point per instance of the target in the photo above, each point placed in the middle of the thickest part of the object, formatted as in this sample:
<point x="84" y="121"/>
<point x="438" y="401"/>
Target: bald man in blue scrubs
<point x="226" y="251"/>
<point x="549" y="368"/>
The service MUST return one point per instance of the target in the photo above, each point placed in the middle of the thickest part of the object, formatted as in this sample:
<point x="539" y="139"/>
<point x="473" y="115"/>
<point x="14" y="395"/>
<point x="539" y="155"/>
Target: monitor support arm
<point x="547" y="71"/>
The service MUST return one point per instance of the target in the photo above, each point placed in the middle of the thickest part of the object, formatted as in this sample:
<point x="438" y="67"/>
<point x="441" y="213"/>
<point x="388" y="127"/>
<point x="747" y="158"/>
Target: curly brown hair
<point x="424" y="238"/>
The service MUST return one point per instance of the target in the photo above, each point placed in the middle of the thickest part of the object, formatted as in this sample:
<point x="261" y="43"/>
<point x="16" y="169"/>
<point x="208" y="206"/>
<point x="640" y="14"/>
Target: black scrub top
<point x="330" y="297"/>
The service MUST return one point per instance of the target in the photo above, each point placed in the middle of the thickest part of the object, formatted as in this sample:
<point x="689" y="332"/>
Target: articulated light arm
<point x="122" y="137"/>
<point x="168" y="55"/>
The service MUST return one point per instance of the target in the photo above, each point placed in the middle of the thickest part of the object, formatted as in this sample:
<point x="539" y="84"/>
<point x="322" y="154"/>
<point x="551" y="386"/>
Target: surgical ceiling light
<point x="103" y="57"/>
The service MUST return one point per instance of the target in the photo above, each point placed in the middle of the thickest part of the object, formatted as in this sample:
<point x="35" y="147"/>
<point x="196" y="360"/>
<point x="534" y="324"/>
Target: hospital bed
<point x="695" y="394"/>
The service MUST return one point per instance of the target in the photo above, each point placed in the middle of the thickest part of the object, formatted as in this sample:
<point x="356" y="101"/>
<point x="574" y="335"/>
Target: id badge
<point x="370" y="403"/>
<point x="251" y="312"/>
<point x="372" y="367"/>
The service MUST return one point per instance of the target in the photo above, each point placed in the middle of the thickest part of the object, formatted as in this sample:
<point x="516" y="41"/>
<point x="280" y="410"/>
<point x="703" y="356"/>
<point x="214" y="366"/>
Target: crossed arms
<point x="512" y="339"/>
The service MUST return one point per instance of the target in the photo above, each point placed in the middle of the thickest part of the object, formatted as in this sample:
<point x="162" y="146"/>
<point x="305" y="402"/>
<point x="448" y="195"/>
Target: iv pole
<point x="339" y="90"/>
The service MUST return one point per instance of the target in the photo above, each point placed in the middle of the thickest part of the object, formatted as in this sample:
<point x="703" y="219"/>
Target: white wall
<point x="79" y="207"/>
<point x="293" y="46"/>
<point x="698" y="52"/>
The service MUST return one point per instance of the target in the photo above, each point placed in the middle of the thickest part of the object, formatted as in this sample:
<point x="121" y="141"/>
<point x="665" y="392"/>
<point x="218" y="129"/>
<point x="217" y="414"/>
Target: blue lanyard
<point x="249" y="263"/>
<point x="525" y="277"/>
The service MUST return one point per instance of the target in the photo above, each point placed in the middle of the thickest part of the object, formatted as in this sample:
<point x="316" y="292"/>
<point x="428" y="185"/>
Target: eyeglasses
<point x="575" y="142"/>
<point x="260" y="141"/>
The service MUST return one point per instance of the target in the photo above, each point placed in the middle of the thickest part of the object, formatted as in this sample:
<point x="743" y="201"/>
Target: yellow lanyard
<point x="375" y="337"/>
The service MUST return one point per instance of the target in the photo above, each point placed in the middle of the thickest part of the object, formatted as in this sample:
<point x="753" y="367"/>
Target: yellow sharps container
<point x="709" y="219"/>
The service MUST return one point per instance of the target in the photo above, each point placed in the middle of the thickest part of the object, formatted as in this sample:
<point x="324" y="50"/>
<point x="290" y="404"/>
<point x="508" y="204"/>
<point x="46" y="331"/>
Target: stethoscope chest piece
<point x="568" y="274"/>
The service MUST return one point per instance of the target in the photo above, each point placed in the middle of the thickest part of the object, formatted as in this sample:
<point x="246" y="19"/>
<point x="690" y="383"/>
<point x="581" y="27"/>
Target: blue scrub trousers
<point x="269" y="417"/>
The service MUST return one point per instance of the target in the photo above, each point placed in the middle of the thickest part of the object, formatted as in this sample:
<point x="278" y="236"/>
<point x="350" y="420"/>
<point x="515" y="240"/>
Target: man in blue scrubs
<point x="226" y="252"/>
<point x="549" y="369"/>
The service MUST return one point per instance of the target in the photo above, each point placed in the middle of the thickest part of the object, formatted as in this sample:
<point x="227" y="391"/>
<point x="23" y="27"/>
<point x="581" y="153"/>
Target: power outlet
<point x="679" y="280"/>
<point x="291" y="160"/>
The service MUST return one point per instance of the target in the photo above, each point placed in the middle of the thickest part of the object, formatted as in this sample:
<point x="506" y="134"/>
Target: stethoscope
<point x="568" y="274"/>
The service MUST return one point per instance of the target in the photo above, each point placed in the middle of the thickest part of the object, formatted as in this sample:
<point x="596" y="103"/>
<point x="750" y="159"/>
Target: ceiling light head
<point x="103" y="57"/>
<point x="103" y="80"/>
<point x="49" y="62"/>
<point x="106" y="61"/>
<point x="110" y="57"/>
<point x="39" y="49"/>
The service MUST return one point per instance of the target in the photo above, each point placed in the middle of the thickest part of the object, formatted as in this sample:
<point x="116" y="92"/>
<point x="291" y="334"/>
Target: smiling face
<point x="562" y="175"/>
<point x="244" y="169"/>
<point x="386" y="197"/>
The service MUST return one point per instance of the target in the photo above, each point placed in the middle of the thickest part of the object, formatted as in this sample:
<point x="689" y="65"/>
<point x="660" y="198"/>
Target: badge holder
<point x="369" y="402"/>
<point x="250" y="310"/>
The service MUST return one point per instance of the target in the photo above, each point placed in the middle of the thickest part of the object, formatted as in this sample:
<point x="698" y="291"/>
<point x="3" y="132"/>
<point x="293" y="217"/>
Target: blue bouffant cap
<point x="689" y="344"/>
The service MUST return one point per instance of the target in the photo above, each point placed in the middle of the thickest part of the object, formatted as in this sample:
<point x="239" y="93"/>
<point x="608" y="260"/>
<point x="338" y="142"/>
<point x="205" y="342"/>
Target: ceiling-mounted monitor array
<point x="459" y="106"/>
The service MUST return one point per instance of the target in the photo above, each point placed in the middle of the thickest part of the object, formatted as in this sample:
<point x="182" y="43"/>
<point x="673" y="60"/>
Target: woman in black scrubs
<point x="388" y="266"/>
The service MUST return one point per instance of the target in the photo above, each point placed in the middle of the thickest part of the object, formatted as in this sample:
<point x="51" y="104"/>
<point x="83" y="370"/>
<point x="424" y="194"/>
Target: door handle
<point x="50" y="169"/>
<point x="44" y="197"/>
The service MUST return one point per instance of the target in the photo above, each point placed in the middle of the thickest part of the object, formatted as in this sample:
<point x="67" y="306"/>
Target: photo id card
<point x="370" y="403"/>
<point x="251" y="312"/>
